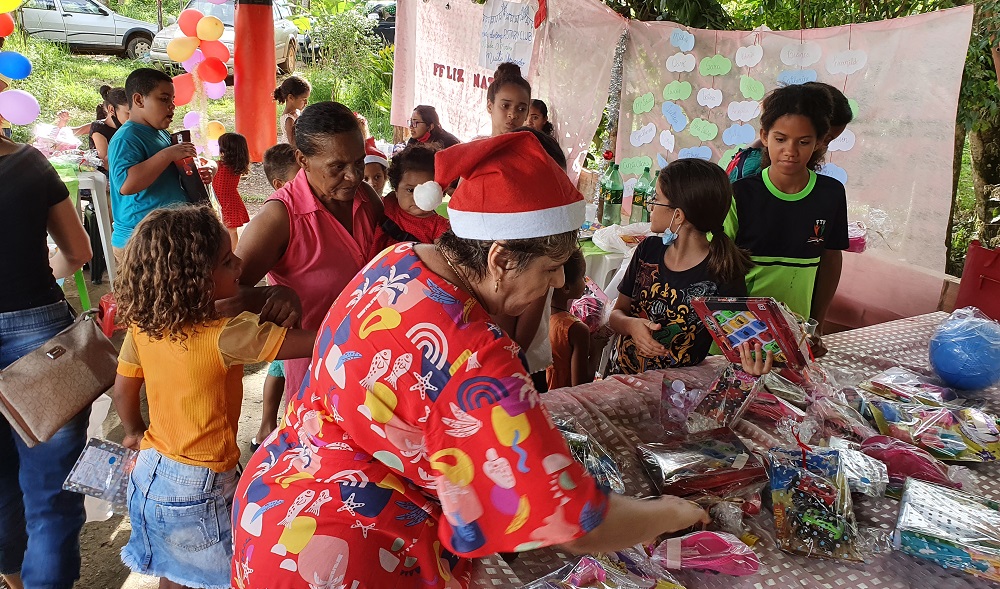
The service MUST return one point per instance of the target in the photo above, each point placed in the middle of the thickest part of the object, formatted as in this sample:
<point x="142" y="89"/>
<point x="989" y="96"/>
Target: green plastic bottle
<point x="613" y="198"/>
<point x="644" y="192"/>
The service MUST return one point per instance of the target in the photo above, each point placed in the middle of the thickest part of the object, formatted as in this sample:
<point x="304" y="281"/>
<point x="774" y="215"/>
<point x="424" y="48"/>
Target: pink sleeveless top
<point x="321" y="257"/>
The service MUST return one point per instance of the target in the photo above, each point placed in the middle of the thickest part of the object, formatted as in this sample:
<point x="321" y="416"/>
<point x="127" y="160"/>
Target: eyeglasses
<point x="415" y="122"/>
<point x="650" y="204"/>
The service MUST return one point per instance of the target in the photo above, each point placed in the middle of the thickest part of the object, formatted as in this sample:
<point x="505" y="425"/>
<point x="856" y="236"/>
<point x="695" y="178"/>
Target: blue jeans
<point x="39" y="522"/>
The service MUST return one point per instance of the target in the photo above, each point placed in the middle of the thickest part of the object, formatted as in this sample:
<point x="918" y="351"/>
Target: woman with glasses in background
<point x="425" y="127"/>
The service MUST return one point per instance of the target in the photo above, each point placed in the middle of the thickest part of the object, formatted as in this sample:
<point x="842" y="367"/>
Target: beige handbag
<point x="44" y="389"/>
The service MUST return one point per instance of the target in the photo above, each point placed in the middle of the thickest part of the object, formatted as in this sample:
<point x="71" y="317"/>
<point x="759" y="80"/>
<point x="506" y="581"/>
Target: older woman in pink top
<point x="313" y="235"/>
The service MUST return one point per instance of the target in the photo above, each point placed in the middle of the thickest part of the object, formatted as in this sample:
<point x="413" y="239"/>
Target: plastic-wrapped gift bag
<point x="713" y="462"/>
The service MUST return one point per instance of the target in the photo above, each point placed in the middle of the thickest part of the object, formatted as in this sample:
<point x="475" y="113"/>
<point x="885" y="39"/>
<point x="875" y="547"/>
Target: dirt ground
<point x="102" y="541"/>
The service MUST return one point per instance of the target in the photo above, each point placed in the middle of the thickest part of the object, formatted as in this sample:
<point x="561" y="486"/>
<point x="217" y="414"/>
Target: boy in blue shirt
<point x="141" y="155"/>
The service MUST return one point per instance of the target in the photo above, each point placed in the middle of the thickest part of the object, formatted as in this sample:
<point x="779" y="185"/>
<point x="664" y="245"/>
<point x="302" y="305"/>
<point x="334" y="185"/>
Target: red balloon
<point x="215" y="49"/>
<point x="6" y="24"/>
<point x="183" y="89"/>
<point x="212" y="70"/>
<point x="188" y="22"/>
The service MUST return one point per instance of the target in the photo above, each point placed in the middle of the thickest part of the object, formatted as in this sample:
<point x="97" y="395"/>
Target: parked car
<point x="381" y="12"/>
<point x="85" y="24"/>
<point x="285" y="34"/>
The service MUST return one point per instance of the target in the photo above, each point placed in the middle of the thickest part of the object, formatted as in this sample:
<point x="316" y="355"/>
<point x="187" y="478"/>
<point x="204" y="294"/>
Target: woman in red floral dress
<point x="417" y="440"/>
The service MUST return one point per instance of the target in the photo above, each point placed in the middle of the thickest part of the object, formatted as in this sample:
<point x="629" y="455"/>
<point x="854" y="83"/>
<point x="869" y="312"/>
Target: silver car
<point x="285" y="35"/>
<point x="85" y="24"/>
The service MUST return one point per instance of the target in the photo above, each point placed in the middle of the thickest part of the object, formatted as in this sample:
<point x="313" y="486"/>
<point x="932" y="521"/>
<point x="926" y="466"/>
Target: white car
<point x="285" y="35"/>
<point x="85" y="24"/>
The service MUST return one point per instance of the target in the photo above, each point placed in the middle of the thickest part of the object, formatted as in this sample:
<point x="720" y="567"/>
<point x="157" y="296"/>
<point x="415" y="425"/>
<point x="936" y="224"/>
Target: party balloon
<point x="212" y="70"/>
<point x="6" y="24"/>
<point x="215" y="90"/>
<point x="217" y="1"/>
<point x="215" y="49"/>
<point x="191" y="63"/>
<point x="19" y="107"/>
<point x="192" y="119"/>
<point x="187" y="21"/>
<point x="213" y="148"/>
<point x="210" y="28"/>
<point x="215" y="130"/>
<point x="183" y="89"/>
<point x="14" y="65"/>
<point x="182" y="49"/>
<point x="9" y="5"/>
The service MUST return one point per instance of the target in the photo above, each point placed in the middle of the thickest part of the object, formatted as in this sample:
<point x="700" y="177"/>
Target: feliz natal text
<point x="458" y="75"/>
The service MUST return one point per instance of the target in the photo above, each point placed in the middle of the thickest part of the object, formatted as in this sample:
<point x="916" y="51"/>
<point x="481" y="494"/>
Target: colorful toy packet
<point x="625" y="569"/>
<point x="726" y="401"/>
<point x="900" y="384"/>
<point x="813" y="512"/>
<point x="715" y="462"/>
<point x="734" y="321"/>
<point x="952" y="528"/>
<point x="949" y="433"/>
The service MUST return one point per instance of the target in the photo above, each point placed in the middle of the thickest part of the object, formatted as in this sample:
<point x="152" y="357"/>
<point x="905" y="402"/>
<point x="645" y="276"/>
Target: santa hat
<point x="373" y="155"/>
<point x="510" y="189"/>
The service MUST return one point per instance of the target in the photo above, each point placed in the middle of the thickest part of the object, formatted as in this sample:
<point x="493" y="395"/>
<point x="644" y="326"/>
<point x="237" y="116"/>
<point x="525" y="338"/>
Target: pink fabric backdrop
<point x="899" y="167"/>
<point x="570" y="71"/>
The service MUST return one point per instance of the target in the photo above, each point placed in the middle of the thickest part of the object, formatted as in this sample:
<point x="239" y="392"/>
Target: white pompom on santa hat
<point x="373" y="155"/>
<point x="510" y="189"/>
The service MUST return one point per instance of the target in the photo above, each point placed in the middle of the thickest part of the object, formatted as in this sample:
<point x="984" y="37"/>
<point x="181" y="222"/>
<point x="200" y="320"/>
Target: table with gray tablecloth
<point x="621" y="412"/>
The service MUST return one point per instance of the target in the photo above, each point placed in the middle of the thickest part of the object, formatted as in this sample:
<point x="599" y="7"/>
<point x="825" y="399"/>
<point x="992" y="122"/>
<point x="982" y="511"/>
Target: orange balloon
<point x="210" y="28"/>
<point x="212" y="70"/>
<point x="188" y="22"/>
<point x="183" y="89"/>
<point x="215" y="49"/>
<point x="6" y="24"/>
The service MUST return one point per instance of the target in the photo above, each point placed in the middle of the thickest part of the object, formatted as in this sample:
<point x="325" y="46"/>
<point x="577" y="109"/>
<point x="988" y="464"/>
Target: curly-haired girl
<point x="178" y="263"/>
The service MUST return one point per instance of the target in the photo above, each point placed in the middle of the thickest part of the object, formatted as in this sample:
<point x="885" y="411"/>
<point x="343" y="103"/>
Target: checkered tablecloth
<point x="622" y="412"/>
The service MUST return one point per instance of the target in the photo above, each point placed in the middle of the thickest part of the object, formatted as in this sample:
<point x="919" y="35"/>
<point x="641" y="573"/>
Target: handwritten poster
<point x="508" y="34"/>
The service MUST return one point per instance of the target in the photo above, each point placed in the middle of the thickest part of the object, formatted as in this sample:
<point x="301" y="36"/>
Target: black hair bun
<point x="507" y="71"/>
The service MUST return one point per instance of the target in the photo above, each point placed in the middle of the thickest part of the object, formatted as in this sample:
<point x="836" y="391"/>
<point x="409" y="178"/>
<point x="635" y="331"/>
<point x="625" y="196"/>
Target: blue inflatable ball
<point x="965" y="353"/>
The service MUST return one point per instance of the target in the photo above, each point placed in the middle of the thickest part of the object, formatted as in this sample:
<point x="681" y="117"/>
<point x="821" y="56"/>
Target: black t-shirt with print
<point x="664" y="296"/>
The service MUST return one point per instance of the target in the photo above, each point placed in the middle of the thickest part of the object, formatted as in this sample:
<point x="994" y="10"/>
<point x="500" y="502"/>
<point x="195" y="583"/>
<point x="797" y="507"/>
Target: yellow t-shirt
<point x="195" y="389"/>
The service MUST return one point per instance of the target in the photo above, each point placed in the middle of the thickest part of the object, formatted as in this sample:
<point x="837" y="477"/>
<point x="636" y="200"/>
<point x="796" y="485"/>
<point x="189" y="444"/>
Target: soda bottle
<point x="613" y="202"/>
<point x="644" y="192"/>
<point x="602" y="188"/>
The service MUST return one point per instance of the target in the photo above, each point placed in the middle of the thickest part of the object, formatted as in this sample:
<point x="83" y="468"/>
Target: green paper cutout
<point x="751" y="88"/>
<point x="854" y="107"/>
<point x="677" y="90"/>
<point x="704" y="130"/>
<point x="643" y="104"/>
<point x="635" y="165"/>
<point x="716" y="65"/>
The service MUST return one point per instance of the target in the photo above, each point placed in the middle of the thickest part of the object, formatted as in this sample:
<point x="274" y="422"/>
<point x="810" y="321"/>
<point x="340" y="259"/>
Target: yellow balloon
<point x="215" y="130"/>
<point x="9" y="5"/>
<point x="210" y="28"/>
<point x="180" y="49"/>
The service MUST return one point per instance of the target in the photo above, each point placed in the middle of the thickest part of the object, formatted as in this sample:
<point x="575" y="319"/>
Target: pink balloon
<point x="192" y="62"/>
<point x="215" y="90"/>
<point x="213" y="148"/>
<point x="192" y="119"/>
<point x="19" y="107"/>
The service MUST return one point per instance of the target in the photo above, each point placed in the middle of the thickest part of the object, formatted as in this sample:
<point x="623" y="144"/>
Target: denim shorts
<point x="181" y="526"/>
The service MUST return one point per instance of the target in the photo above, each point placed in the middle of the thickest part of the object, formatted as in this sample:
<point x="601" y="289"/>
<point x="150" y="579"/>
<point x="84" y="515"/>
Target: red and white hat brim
<point x="520" y="225"/>
<point x="374" y="159"/>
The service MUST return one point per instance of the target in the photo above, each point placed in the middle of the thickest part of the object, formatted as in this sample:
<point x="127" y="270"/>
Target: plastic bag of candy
<point x="949" y="433"/>
<point x="588" y="452"/>
<point x="813" y="512"/>
<point x="865" y="474"/>
<point x="590" y="308"/>
<point x="900" y="384"/>
<point x="726" y="401"/>
<point x="780" y="386"/>
<point x="836" y="418"/>
<point x="718" y="552"/>
<point x="625" y="569"/>
<point x="714" y="462"/>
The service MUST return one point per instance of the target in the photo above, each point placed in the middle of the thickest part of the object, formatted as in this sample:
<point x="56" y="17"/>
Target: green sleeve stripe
<point x="732" y="222"/>
<point x="789" y="262"/>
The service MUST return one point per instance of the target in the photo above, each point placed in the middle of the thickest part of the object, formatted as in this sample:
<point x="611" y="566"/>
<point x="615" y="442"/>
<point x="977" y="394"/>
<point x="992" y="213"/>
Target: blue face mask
<point x="669" y="236"/>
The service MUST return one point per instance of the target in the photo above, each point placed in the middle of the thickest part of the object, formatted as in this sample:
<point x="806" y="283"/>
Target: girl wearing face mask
<point x="116" y="113"/>
<point x="507" y="99"/>
<point x="656" y="324"/>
